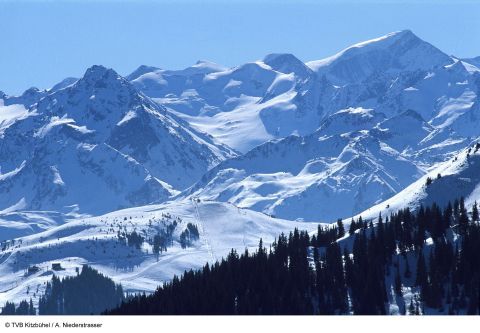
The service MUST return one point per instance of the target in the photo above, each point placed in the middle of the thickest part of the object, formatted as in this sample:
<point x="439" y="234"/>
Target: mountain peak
<point x="285" y="63"/>
<point x="205" y="63"/>
<point x="98" y="73"/>
<point x="101" y="77"/>
<point x="407" y="33"/>
<point x="201" y="67"/>
<point x="142" y="69"/>
<point x="387" y="40"/>
<point x="280" y="57"/>
<point x="404" y="32"/>
<point x="396" y="51"/>
<point x="31" y="91"/>
<point x="100" y="97"/>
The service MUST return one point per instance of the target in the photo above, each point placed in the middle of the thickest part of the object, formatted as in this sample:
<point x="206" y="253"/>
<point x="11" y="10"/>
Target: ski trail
<point x="203" y="232"/>
<point x="4" y="257"/>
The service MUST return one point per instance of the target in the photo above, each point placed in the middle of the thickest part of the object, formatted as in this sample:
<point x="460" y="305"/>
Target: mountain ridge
<point x="86" y="128"/>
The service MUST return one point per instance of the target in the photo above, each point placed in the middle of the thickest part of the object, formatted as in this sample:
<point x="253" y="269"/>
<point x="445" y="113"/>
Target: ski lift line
<point x="202" y="229"/>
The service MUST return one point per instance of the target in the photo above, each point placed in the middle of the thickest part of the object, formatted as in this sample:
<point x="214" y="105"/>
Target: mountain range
<point x="243" y="153"/>
<point x="345" y="132"/>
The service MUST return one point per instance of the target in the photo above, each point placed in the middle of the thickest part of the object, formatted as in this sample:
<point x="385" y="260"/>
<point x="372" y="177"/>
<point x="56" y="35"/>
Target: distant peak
<point x="99" y="70"/>
<point x="201" y="67"/>
<point x="285" y="63"/>
<point x="209" y="65"/>
<point x="98" y="73"/>
<point x="146" y="68"/>
<point x="400" y="50"/>
<point x="32" y="90"/>
<point x="142" y="69"/>
<point x="283" y="57"/>
<point x="403" y="35"/>
<point x="388" y="39"/>
<point x="406" y="32"/>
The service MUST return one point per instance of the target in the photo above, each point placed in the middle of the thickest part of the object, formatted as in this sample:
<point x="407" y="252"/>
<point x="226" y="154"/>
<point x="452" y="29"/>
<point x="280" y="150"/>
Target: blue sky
<point x="43" y="42"/>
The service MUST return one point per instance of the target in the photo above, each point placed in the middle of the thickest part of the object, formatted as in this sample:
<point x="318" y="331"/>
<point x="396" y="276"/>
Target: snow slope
<point x="94" y="241"/>
<point x="9" y="114"/>
<point x="234" y="105"/>
<point x="356" y="159"/>
<point x="473" y="61"/>
<point x="14" y="224"/>
<point x="320" y="176"/>
<point x="459" y="177"/>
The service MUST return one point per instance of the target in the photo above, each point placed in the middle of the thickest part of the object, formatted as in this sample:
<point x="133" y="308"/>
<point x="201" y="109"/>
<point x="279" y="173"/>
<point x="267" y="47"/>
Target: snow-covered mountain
<point x="249" y="104"/>
<point x="391" y="54"/>
<point x="323" y="175"/>
<point x="365" y="159"/>
<point x="393" y="106"/>
<point x="395" y="96"/>
<point x="97" y="145"/>
<point x="235" y="105"/>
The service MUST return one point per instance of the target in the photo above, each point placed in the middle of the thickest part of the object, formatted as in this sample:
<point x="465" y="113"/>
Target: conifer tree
<point x="341" y="228"/>
<point x="475" y="216"/>
<point x="352" y="227"/>
<point x="31" y="308"/>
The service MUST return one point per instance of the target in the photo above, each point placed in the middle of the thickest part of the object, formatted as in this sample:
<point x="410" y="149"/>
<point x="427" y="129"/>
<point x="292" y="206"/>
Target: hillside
<point x="423" y="263"/>
<point x="101" y="242"/>
<point x="451" y="180"/>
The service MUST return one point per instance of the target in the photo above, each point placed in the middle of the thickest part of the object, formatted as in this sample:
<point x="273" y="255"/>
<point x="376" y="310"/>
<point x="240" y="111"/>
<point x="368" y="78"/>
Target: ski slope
<point x="94" y="241"/>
